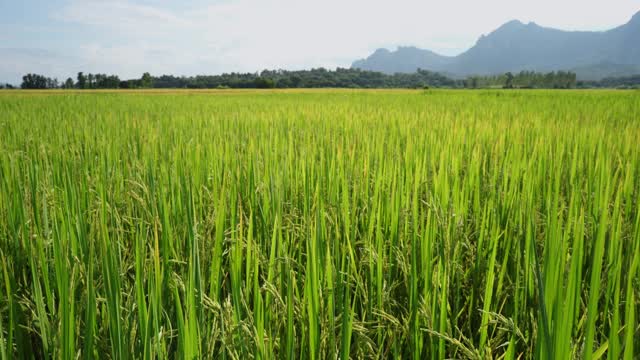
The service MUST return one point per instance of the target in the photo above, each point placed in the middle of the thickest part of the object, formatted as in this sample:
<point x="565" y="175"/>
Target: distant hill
<point x="516" y="46"/>
<point x="403" y="60"/>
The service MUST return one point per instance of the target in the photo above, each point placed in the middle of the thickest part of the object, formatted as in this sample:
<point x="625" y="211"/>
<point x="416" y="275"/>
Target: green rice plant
<point x="320" y="224"/>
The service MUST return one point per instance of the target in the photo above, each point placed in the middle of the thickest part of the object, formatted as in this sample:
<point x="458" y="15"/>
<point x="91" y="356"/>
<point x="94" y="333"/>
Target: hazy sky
<point x="127" y="37"/>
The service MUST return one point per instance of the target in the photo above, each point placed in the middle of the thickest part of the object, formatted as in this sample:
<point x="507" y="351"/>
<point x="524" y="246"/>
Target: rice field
<point x="327" y="224"/>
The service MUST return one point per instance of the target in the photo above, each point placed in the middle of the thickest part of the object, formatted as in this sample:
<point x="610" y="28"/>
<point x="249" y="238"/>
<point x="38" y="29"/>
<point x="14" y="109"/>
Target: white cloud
<point x="121" y="15"/>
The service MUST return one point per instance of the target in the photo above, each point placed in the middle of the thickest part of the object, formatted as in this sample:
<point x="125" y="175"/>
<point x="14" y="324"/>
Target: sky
<point x="59" y="38"/>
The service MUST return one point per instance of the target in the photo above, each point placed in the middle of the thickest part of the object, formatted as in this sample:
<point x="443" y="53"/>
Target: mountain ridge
<point x="515" y="46"/>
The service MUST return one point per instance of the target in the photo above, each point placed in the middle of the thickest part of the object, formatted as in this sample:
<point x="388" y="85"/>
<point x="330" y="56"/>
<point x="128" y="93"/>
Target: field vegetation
<point x="320" y="225"/>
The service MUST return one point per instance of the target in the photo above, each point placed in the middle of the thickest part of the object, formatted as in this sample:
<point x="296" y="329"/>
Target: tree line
<point x="524" y="80"/>
<point x="626" y="82"/>
<point x="314" y="78"/>
<point x="356" y="78"/>
<point x="85" y="81"/>
<point x="323" y="78"/>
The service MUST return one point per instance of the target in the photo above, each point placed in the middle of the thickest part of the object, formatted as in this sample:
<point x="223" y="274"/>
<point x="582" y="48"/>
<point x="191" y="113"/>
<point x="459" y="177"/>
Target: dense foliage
<point x="627" y="82"/>
<point x="315" y="78"/>
<point x="354" y="78"/>
<point x="35" y="81"/>
<point x="322" y="78"/>
<point x="320" y="225"/>
<point x="525" y="80"/>
<point x="86" y="82"/>
<point x="103" y="81"/>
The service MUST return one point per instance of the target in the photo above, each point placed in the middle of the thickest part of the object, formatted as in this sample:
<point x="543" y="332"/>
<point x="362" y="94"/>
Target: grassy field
<point x="320" y="225"/>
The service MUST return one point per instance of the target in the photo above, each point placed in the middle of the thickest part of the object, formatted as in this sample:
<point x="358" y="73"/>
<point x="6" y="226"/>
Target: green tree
<point x="474" y="82"/>
<point x="146" y="80"/>
<point x="52" y="83"/>
<point x="90" y="80"/>
<point x="508" y="81"/>
<point x="82" y="81"/>
<point x="35" y="81"/>
<point x="68" y="84"/>
<point x="265" y="83"/>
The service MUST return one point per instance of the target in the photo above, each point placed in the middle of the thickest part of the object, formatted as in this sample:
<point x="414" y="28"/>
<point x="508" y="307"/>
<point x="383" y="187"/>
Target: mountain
<point x="411" y="58"/>
<point x="516" y="46"/>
